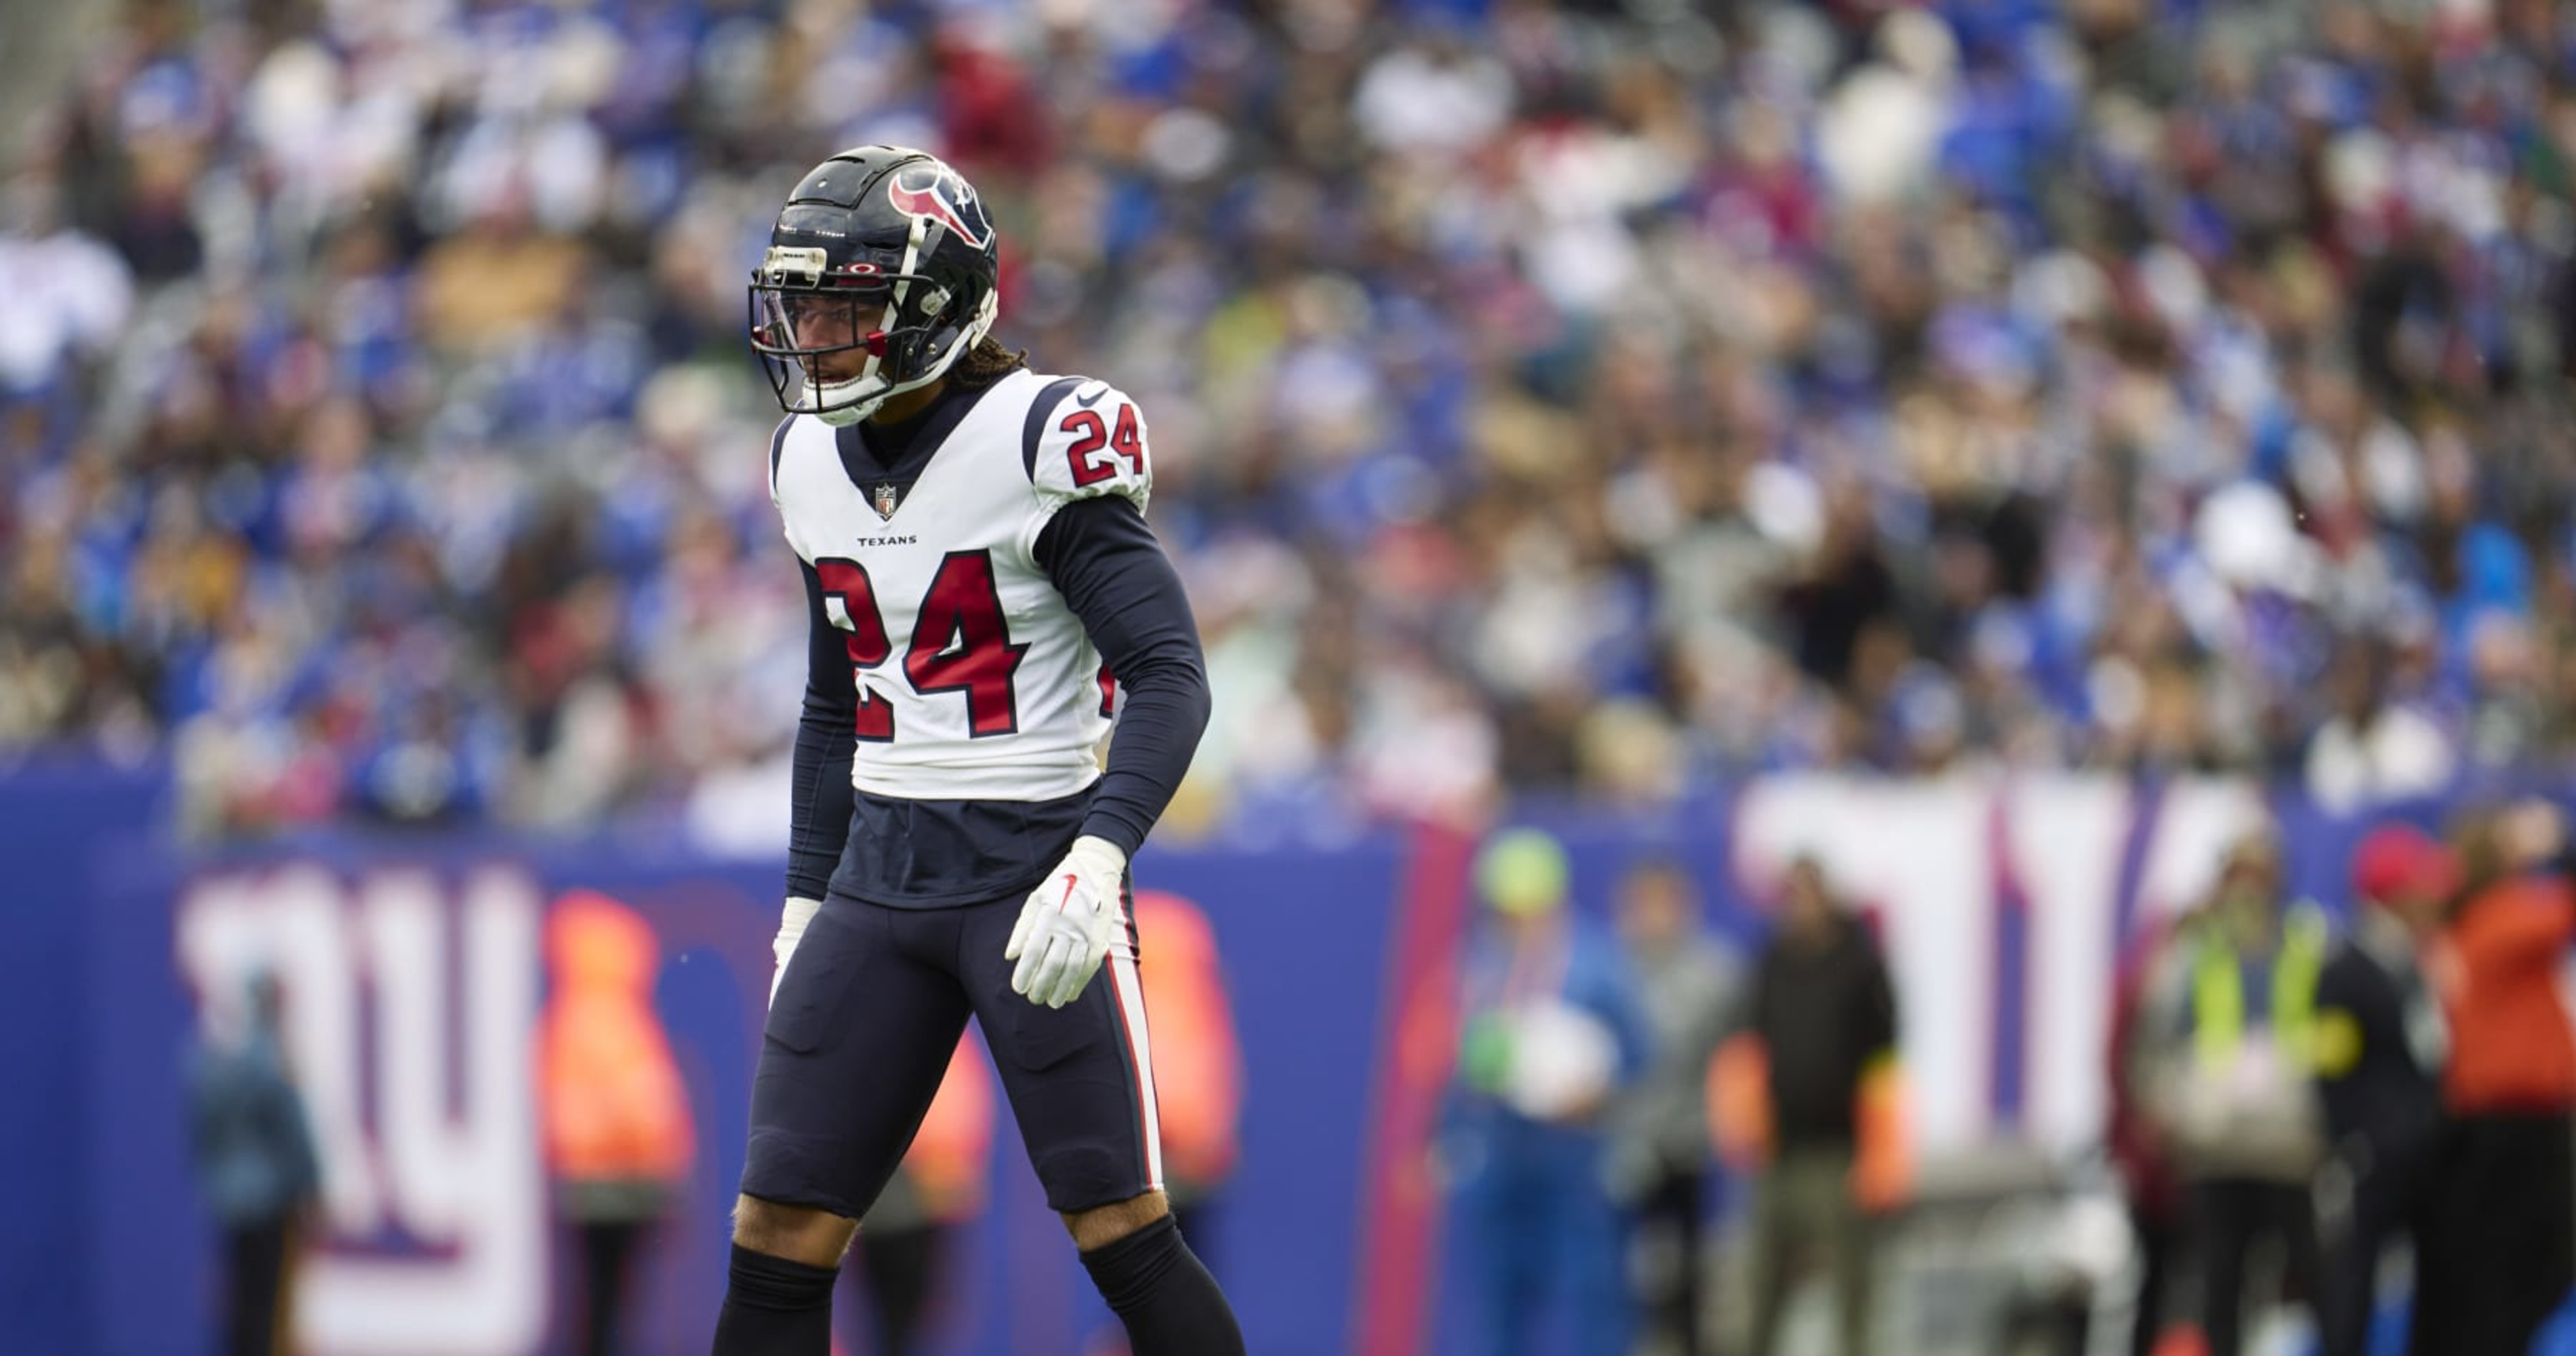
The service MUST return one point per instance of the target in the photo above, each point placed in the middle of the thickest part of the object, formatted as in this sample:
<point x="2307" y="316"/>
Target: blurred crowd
<point x="1585" y="397"/>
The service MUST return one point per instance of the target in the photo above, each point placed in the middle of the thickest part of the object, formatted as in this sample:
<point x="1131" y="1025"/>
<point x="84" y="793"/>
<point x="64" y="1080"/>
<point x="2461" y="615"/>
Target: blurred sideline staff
<point x="255" y="1163"/>
<point x="1198" y="1070"/>
<point x="1548" y="1038"/>
<point x="1811" y="1094"/>
<point x="2498" y="1251"/>
<point x="618" y="1135"/>
<point x="906" y="1248"/>
<point x="1198" y="1060"/>
<point x="2223" y="1047"/>
<point x="2379" y="1047"/>
<point x="1689" y="987"/>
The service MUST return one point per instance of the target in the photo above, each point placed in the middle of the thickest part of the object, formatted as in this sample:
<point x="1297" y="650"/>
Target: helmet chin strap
<point x="856" y="410"/>
<point x="817" y="397"/>
<point x="846" y="415"/>
<point x="826" y="402"/>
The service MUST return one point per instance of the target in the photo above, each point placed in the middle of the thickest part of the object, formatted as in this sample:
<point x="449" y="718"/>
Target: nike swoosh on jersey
<point x="1094" y="398"/>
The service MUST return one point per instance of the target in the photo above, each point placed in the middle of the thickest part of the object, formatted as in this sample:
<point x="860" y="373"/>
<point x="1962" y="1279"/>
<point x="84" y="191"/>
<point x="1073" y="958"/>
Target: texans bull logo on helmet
<point x="944" y="198"/>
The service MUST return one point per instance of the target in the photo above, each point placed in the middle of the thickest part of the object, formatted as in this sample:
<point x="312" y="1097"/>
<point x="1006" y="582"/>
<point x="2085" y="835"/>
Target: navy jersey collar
<point x="875" y="453"/>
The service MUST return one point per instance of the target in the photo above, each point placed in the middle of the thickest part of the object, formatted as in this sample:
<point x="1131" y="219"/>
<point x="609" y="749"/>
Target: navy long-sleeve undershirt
<point x="826" y="740"/>
<point x="1114" y="576"/>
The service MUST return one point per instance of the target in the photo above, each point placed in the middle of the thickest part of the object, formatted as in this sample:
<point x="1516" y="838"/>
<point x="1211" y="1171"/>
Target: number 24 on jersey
<point x="961" y="643"/>
<point x="1093" y="437"/>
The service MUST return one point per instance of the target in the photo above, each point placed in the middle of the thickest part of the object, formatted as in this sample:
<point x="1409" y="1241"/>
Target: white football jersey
<point x="976" y="681"/>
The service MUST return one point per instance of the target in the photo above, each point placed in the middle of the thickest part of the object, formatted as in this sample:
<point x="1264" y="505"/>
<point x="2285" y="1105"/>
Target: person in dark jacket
<point x="256" y="1166"/>
<point x="1825" y="1015"/>
<point x="2379" y="1045"/>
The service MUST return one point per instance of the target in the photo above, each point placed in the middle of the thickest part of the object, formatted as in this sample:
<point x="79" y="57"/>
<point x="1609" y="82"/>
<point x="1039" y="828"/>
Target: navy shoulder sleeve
<point x="1115" y="577"/>
<point x="1033" y="427"/>
<point x="826" y="740"/>
<point x="778" y="453"/>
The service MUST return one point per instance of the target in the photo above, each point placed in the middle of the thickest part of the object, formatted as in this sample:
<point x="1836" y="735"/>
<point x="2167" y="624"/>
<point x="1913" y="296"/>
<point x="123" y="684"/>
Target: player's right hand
<point x="1067" y="924"/>
<point x="791" y="930"/>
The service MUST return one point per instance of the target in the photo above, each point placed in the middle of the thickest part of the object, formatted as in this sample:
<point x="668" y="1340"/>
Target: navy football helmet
<point x="880" y="274"/>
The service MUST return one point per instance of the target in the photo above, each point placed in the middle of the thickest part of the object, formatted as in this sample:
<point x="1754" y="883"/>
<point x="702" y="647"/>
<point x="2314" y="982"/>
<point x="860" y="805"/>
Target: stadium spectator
<point x="2498" y="1252"/>
<point x="255" y="1164"/>
<point x="2229" y="1022"/>
<point x="1689" y="989"/>
<point x="1822" y="1016"/>
<point x="1549" y="1036"/>
<point x="2379" y="1047"/>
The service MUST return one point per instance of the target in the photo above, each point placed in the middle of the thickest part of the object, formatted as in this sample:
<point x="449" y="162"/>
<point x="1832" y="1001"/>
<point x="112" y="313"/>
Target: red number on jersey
<point x="847" y="580"/>
<point x="963" y="644"/>
<point x="1129" y="440"/>
<point x="1092" y="436"/>
<point x="1089" y="467"/>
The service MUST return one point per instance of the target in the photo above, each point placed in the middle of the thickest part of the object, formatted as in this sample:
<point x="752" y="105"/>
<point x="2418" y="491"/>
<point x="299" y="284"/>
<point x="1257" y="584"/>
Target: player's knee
<point x="798" y="1233"/>
<point x="1103" y="1225"/>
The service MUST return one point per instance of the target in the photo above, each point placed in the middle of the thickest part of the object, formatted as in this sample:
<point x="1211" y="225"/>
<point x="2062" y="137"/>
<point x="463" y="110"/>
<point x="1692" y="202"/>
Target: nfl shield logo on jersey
<point x="884" y="498"/>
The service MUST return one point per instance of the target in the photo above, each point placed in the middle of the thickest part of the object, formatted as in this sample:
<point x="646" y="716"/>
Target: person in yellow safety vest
<point x="2228" y="1038"/>
<point x="907" y="1243"/>
<point x="615" y="1113"/>
<point x="1198" y="1069"/>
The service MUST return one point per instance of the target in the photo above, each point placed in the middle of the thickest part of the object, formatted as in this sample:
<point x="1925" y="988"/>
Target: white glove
<point x="1068" y="924"/>
<point x="791" y="930"/>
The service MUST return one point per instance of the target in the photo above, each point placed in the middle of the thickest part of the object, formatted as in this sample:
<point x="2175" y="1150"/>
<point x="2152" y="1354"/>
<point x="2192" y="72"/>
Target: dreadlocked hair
<point x="987" y="362"/>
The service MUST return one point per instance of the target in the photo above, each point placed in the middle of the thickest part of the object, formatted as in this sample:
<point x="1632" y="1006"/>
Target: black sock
<point x="775" y="1307"/>
<point x="1170" y="1304"/>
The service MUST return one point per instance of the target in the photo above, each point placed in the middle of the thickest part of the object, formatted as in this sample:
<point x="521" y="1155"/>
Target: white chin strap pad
<point x="842" y="416"/>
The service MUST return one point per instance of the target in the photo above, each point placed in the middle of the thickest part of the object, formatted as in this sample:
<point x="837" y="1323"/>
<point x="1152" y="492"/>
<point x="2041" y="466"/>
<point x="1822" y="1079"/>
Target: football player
<point x="978" y="568"/>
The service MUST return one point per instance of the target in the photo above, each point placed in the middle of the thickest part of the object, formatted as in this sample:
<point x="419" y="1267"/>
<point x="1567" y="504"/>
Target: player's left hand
<point x="1067" y="926"/>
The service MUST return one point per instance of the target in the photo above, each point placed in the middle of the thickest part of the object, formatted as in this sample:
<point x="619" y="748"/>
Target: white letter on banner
<point x="468" y="1180"/>
<point x="2065" y="835"/>
<point x="453" y="1173"/>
